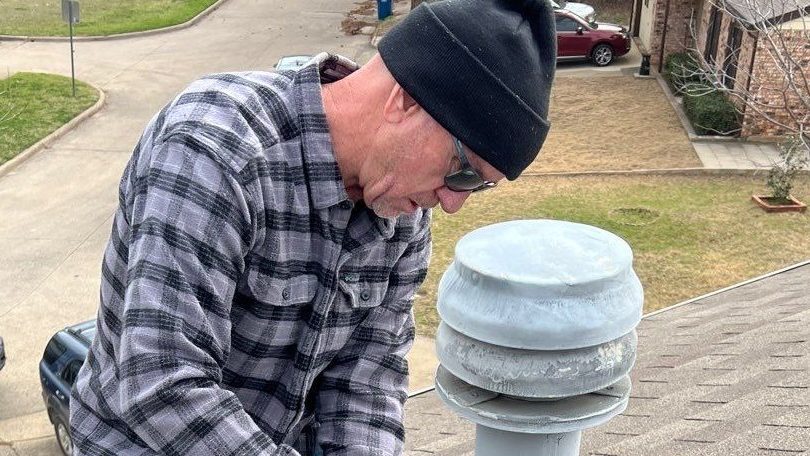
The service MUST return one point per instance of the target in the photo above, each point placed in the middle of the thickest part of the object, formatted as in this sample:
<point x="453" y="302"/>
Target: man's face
<point x="410" y="170"/>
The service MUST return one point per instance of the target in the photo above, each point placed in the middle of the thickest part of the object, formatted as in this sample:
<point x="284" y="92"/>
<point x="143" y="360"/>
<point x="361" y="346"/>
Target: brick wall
<point x="769" y="86"/>
<point x="744" y="54"/>
<point x="678" y="33"/>
<point x="749" y="40"/>
<point x="703" y="24"/>
<point x="767" y="83"/>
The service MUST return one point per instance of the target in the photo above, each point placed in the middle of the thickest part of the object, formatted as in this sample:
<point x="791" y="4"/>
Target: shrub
<point x="793" y="155"/>
<point x="680" y="70"/>
<point x="711" y="113"/>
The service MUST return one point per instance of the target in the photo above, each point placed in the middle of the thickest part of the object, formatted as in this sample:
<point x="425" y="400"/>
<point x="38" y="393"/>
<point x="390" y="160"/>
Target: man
<point x="273" y="230"/>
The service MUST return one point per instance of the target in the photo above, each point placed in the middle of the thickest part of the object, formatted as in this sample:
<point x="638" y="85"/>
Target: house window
<point x="732" y="56"/>
<point x="713" y="34"/>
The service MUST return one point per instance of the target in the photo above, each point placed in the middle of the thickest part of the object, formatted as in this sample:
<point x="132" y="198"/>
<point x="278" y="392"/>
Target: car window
<point x="53" y="351"/>
<point x="565" y="24"/>
<point x="70" y="371"/>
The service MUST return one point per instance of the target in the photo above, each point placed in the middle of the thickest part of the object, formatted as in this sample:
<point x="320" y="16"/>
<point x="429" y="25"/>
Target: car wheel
<point x="63" y="437"/>
<point x="602" y="55"/>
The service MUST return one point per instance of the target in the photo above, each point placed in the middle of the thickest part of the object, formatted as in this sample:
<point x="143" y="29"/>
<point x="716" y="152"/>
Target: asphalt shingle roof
<point x="727" y="374"/>
<point x="776" y="11"/>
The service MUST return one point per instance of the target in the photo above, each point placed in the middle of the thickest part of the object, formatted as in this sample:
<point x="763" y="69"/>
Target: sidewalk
<point x="736" y="154"/>
<point x="723" y="153"/>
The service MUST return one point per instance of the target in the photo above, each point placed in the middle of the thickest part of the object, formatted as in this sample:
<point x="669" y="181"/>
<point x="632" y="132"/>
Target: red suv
<point x="598" y="42"/>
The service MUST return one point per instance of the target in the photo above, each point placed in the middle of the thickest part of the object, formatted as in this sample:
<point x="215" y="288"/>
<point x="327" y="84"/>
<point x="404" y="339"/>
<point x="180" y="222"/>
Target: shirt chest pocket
<point x="294" y="291"/>
<point x="268" y="320"/>
<point x="362" y="288"/>
<point x="271" y="292"/>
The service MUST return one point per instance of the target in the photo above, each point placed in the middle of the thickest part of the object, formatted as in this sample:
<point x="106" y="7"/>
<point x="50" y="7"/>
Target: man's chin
<point x="390" y="212"/>
<point x="386" y="212"/>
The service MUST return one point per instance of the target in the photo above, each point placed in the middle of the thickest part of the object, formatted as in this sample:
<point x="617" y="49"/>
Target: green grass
<point x="98" y="17"/>
<point x="32" y="105"/>
<point x="689" y="235"/>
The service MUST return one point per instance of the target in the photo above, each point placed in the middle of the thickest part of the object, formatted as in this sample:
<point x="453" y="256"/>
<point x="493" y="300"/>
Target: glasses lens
<point x="464" y="180"/>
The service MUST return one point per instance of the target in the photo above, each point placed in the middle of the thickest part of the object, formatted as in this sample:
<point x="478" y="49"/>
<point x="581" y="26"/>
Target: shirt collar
<point x="321" y="170"/>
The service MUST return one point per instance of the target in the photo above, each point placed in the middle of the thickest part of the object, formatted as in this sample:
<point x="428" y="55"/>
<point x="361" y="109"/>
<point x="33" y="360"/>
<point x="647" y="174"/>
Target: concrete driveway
<point x="56" y="208"/>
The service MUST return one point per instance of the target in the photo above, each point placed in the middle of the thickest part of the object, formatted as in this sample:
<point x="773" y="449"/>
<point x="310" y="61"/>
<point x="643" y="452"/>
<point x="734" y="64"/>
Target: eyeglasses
<point x="465" y="179"/>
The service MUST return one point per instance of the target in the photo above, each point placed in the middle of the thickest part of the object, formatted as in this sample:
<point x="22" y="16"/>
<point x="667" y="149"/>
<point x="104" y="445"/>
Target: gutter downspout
<point x="663" y="38"/>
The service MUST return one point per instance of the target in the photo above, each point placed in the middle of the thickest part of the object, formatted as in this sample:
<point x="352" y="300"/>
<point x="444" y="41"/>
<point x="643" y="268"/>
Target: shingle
<point x="728" y="374"/>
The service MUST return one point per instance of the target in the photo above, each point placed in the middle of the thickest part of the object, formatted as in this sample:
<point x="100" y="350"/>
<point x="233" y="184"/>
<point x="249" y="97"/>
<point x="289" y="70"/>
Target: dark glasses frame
<point x="467" y="178"/>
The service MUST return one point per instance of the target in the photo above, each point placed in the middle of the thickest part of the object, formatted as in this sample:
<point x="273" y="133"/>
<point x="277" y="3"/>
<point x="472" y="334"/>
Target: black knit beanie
<point x="483" y="69"/>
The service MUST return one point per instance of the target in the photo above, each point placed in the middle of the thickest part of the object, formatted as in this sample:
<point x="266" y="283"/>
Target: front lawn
<point x="691" y="235"/>
<point x="612" y="11"/>
<point x="612" y="123"/>
<point x="32" y="105"/>
<point x="98" y="17"/>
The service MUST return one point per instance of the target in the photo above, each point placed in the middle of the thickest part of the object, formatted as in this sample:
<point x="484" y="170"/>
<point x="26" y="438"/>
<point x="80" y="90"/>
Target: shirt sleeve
<point x="362" y="394"/>
<point x="192" y="224"/>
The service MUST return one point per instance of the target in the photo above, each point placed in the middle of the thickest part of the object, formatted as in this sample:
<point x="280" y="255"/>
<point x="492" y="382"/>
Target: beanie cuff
<point x="457" y="90"/>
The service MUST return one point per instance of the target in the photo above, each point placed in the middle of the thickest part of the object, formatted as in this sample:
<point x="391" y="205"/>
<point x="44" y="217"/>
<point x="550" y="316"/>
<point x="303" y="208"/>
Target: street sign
<point x="70" y="11"/>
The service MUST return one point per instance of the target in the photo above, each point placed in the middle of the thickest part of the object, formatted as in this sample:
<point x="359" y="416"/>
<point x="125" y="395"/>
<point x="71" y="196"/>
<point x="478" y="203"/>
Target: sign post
<point x="70" y="14"/>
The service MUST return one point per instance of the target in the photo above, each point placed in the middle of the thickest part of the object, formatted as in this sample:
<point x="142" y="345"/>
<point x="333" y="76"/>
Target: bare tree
<point x="774" y="36"/>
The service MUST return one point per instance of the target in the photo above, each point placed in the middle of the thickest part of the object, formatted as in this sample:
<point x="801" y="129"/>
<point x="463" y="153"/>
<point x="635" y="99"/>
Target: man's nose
<point x="451" y="201"/>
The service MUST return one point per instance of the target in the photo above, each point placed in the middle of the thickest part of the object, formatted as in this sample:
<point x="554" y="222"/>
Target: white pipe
<point x="494" y="442"/>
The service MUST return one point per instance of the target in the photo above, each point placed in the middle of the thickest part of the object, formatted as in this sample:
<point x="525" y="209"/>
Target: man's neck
<point x="347" y="127"/>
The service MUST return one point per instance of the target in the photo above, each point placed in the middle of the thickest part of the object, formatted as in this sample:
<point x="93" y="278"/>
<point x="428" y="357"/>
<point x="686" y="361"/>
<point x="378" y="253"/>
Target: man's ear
<point x="399" y="105"/>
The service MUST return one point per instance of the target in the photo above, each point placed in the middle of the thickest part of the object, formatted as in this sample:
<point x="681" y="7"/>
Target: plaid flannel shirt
<point x="246" y="303"/>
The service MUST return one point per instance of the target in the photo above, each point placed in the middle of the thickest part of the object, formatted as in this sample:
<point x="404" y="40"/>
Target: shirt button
<point x="346" y="205"/>
<point x="285" y="293"/>
<point x="365" y="295"/>
<point x="351" y="277"/>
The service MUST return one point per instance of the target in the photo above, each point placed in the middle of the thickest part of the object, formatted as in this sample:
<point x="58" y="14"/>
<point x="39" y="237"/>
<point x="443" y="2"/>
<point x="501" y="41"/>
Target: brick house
<point x="735" y="37"/>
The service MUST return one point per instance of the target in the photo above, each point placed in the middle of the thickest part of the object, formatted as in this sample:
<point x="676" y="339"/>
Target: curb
<point x="43" y="143"/>
<point x="690" y="132"/>
<point x="120" y="36"/>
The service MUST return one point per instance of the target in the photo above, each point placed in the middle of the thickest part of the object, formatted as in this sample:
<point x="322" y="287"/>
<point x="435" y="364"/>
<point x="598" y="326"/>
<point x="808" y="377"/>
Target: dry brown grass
<point x="708" y="234"/>
<point x="612" y="123"/>
<point x="364" y="14"/>
<point x="614" y="11"/>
